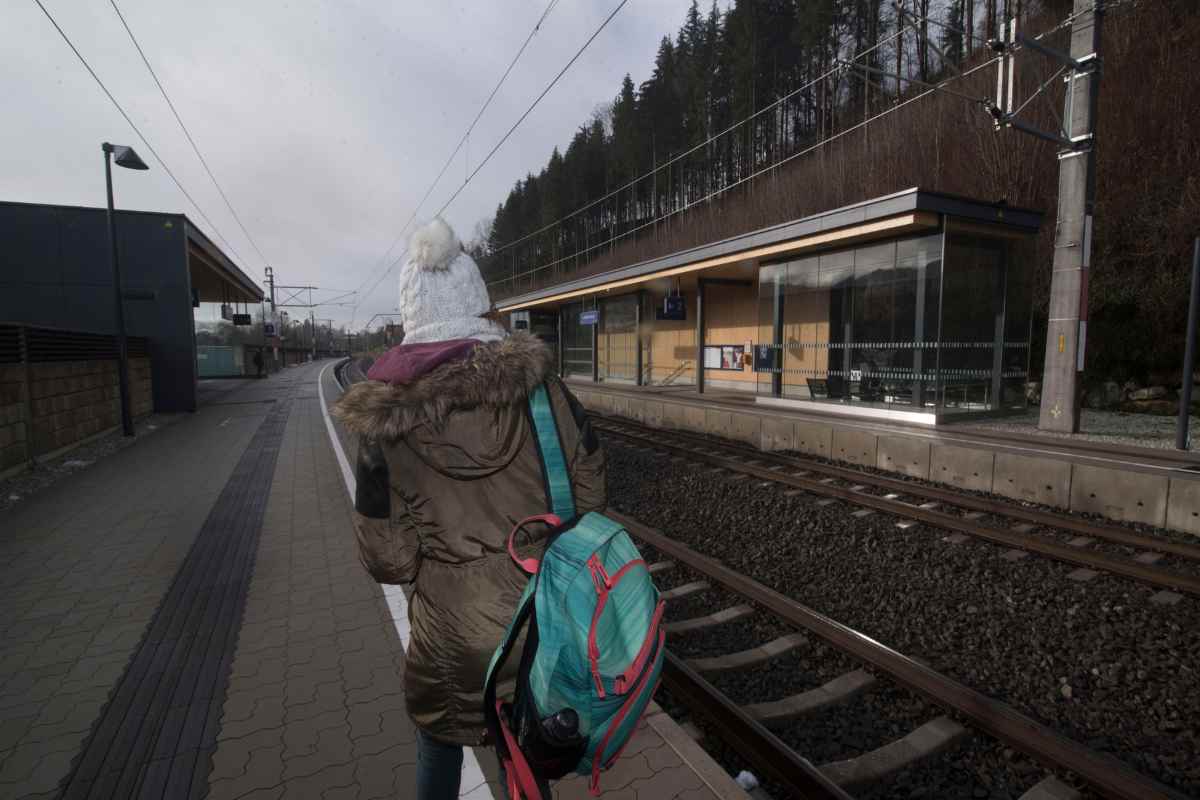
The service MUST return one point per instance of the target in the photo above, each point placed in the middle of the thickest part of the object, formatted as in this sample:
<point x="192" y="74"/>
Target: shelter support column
<point x="637" y="338"/>
<point x="700" y="336"/>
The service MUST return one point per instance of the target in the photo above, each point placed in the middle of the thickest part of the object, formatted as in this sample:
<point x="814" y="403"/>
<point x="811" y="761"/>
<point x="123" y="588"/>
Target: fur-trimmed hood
<point x="494" y="374"/>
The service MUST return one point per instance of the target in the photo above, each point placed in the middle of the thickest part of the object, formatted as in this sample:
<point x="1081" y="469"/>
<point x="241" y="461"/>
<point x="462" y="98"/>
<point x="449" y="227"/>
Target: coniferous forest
<point x="760" y="112"/>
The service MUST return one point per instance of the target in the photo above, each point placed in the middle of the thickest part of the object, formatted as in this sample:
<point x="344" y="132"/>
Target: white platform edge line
<point x="473" y="779"/>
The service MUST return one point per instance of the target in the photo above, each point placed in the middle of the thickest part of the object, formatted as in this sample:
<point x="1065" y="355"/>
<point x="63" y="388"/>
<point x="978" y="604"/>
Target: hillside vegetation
<point x="723" y="67"/>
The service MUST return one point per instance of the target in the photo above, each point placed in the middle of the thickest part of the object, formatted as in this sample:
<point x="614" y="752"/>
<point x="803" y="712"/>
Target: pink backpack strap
<point x="519" y="777"/>
<point x="530" y="565"/>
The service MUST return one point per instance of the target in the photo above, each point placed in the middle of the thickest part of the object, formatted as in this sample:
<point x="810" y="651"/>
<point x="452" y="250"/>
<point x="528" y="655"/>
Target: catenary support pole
<point x="1189" y="356"/>
<point x="122" y="343"/>
<point x="1066" y="334"/>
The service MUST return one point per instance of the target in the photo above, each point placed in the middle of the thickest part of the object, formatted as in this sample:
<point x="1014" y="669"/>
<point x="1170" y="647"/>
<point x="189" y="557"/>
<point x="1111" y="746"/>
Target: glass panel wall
<point x="853" y="323"/>
<point x="618" y="339"/>
<point x="888" y="325"/>
<point x="577" y="342"/>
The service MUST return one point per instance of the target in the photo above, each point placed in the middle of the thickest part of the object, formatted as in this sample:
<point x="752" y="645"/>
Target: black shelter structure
<point x="55" y="272"/>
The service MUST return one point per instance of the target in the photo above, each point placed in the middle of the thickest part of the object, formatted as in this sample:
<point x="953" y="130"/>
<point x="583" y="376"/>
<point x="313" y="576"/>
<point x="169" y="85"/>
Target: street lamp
<point x="125" y="157"/>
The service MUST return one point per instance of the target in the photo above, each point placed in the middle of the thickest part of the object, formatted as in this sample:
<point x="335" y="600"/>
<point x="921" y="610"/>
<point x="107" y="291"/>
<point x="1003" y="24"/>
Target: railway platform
<point x="1124" y="482"/>
<point x="188" y="618"/>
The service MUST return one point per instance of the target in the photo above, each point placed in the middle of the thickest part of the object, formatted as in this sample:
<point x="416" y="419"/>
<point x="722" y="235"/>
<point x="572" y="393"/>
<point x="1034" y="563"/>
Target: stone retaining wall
<point x="1116" y="493"/>
<point x="62" y="404"/>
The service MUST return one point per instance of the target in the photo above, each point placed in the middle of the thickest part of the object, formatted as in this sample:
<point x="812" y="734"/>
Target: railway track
<point x="1091" y="544"/>
<point x="746" y="728"/>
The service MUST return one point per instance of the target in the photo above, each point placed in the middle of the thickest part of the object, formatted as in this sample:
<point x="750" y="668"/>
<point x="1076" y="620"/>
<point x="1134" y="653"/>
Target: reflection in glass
<point x="888" y="325"/>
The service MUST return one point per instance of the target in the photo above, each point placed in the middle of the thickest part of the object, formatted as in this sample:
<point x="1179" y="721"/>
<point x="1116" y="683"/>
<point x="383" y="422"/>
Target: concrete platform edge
<point x="1151" y="491"/>
<point x="692" y="754"/>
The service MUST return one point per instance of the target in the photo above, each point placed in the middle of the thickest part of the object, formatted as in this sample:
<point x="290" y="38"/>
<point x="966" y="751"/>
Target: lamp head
<point x="124" y="156"/>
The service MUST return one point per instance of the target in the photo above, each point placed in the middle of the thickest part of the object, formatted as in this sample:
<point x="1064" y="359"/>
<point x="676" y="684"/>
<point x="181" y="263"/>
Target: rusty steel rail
<point x="1096" y="530"/>
<point x="1154" y="576"/>
<point x="1108" y="776"/>
<point x="770" y="755"/>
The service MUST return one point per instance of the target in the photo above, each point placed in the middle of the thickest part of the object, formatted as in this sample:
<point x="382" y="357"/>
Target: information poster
<point x="724" y="357"/>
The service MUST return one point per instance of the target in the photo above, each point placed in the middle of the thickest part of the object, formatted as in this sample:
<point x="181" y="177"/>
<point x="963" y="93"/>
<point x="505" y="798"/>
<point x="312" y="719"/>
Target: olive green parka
<point x="447" y="464"/>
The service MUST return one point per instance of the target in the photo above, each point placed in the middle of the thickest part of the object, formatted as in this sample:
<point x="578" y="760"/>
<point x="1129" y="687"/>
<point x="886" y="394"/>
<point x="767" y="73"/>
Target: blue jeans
<point x="439" y="770"/>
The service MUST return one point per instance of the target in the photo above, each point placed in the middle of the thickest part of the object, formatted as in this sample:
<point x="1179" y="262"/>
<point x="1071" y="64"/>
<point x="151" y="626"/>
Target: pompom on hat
<point x="442" y="294"/>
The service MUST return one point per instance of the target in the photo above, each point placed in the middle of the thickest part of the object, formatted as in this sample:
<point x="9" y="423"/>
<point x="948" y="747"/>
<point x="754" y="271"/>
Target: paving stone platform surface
<point x="313" y="700"/>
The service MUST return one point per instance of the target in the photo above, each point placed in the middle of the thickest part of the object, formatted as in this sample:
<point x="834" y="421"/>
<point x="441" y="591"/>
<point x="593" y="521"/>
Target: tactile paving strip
<point x="156" y="735"/>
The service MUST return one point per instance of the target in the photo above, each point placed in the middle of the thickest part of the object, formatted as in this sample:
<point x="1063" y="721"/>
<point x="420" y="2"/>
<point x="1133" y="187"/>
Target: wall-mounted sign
<point x="589" y="317"/>
<point x="674" y="308"/>
<point x="226" y="311"/>
<point x="242" y="319"/>
<point x="268" y="329"/>
<point x="764" y="358"/>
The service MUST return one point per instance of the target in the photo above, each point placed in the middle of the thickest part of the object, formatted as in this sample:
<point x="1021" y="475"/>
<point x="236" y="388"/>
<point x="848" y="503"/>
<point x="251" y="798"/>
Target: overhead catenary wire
<point x="462" y="141"/>
<point x="533" y="105"/>
<point x="842" y="64"/>
<point x="683" y="154"/>
<point x="187" y="133"/>
<point x="512" y="129"/>
<point x="135" y="128"/>
<point x="804" y="151"/>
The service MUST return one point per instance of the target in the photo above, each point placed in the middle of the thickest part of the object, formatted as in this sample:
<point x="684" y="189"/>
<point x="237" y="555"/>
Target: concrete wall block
<point x="11" y="393"/>
<point x="8" y="434"/>
<point x="747" y="428"/>
<point x="778" y="434"/>
<point x="1036" y="480"/>
<point x="12" y="412"/>
<point x="672" y="415"/>
<point x="903" y="454"/>
<point x="12" y="373"/>
<point x="619" y="406"/>
<point x="1120" y="494"/>
<point x="718" y="422"/>
<point x="13" y="455"/>
<point x="654" y="413"/>
<point x="962" y="467"/>
<point x="855" y="446"/>
<point x="694" y="419"/>
<point x="1183" y="505"/>
<point x="637" y="409"/>
<point x="814" y="438"/>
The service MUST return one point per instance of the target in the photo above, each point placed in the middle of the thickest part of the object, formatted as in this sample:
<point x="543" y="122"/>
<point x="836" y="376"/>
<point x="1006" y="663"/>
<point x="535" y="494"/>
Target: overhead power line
<point x="533" y="105"/>
<point x="136" y="130"/>
<point x="188" y="133"/>
<point x="383" y="259"/>
<point x="511" y="130"/>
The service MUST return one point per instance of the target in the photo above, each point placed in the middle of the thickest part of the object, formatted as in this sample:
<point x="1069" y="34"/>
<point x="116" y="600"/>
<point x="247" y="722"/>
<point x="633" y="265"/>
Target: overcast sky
<point x="325" y="122"/>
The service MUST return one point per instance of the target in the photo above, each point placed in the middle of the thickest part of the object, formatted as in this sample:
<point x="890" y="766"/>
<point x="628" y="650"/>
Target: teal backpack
<point x="593" y="646"/>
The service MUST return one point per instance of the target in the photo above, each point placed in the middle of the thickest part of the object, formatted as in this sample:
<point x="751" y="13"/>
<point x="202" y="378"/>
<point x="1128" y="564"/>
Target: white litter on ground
<point x="746" y="780"/>
<point x="12" y="498"/>
<point x="76" y="463"/>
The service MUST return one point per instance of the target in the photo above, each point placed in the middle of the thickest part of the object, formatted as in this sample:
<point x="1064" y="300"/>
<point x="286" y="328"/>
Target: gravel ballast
<point x="1097" y="661"/>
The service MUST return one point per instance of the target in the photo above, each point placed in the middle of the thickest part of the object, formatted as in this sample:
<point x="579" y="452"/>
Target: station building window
<point x="618" y="339"/>
<point x="576" y="343"/>
<point x="934" y="324"/>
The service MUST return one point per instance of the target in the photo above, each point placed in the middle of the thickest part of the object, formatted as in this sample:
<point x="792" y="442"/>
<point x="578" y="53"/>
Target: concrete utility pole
<point x="1066" y="334"/>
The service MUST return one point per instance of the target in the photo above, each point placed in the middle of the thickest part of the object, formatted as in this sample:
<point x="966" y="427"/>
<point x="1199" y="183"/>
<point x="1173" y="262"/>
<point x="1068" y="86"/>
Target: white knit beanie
<point x="442" y="294"/>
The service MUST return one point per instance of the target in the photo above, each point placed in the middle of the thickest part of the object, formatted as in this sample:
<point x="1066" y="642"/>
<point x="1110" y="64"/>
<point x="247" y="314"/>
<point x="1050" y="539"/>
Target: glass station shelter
<point x="914" y="306"/>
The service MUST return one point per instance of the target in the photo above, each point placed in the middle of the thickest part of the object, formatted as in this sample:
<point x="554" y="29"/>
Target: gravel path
<point x="1110" y="427"/>
<point x="1095" y="660"/>
<point x="18" y="487"/>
